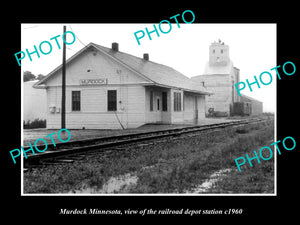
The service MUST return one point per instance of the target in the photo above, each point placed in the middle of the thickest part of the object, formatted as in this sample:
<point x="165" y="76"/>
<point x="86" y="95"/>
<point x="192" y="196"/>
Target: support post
<point x="63" y="94"/>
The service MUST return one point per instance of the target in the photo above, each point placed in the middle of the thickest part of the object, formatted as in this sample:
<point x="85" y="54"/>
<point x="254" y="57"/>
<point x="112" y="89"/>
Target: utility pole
<point x="63" y="89"/>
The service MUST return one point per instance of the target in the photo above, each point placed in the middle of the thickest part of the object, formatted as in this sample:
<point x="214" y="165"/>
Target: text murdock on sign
<point x="93" y="81"/>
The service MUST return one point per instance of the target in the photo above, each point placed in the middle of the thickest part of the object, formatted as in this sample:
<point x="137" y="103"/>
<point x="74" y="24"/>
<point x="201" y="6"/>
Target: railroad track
<point x="68" y="152"/>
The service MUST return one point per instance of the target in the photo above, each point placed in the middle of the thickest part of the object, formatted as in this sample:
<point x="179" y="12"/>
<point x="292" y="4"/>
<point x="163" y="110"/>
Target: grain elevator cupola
<point x="219" y="54"/>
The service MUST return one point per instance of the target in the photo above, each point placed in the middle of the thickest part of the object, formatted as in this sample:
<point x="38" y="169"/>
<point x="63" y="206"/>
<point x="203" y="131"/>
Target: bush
<point x="220" y="114"/>
<point x="37" y="123"/>
<point x="242" y="130"/>
<point x="217" y="114"/>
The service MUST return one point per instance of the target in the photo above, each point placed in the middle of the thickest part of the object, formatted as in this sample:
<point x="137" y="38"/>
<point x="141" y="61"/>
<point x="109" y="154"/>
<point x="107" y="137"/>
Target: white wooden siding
<point x="93" y="113"/>
<point x="99" y="66"/>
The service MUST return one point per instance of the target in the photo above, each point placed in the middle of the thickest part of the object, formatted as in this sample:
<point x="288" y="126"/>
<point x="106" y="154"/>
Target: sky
<point x="252" y="48"/>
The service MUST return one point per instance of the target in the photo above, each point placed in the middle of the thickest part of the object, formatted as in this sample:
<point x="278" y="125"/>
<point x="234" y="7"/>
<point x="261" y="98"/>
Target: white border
<point x="165" y="194"/>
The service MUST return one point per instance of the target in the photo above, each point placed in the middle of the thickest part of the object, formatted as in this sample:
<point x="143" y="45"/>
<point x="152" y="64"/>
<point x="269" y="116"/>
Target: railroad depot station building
<point x="109" y="89"/>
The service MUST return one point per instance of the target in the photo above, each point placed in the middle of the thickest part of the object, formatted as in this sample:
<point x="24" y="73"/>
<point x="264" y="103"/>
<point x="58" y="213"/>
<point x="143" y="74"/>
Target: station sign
<point x="93" y="81"/>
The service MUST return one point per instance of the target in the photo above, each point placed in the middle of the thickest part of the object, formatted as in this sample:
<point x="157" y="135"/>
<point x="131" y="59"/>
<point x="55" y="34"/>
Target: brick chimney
<point x="115" y="46"/>
<point x="146" y="56"/>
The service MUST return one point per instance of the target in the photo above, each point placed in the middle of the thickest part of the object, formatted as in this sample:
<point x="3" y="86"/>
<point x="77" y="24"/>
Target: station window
<point x="75" y="100"/>
<point x="157" y="100"/>
<point x="111" y="100"/>
<point x="177" y="101"/>
<point x="164" y="101"/>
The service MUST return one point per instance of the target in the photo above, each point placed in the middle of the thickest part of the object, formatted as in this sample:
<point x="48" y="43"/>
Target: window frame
<point x="177" y="102"/>
<point x="76" y="103"/>
<point x="109" y="102"/>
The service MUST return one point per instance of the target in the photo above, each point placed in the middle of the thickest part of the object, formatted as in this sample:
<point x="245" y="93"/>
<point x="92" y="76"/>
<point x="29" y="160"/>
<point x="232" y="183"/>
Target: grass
<point x="258" y="179"/>
<point x="168" y="167"/>
<point x="212" y="156"/>
<point x="36" y="123"/>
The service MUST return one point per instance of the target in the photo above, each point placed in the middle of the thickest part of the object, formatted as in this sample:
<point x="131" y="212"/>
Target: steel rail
<point x="87" y="145"/>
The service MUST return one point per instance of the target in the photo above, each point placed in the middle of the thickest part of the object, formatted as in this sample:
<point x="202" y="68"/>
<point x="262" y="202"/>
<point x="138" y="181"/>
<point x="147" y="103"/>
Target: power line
<point x="31" y="27"/>
<point x="71" y="49"/>
<point x="77" y="36"/>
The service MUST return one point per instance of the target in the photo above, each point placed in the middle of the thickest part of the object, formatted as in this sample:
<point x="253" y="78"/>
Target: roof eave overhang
<point x="199" y="92"/>
<point x="40" y="86"/>
<point x="180" y="88"/>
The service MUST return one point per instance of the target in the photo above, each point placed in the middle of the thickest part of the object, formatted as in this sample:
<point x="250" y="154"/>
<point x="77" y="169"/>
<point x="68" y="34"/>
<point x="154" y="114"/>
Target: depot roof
<point x="155" y="73"/>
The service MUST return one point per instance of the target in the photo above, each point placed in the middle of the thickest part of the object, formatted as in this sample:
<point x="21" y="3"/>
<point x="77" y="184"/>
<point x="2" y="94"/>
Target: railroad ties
<point x="78" y="150"/>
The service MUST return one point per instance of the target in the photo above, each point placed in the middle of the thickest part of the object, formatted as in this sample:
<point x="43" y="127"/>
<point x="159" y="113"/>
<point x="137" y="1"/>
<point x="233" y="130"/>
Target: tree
<point x="40" y="76"/>
<point x="27" y="76"/>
